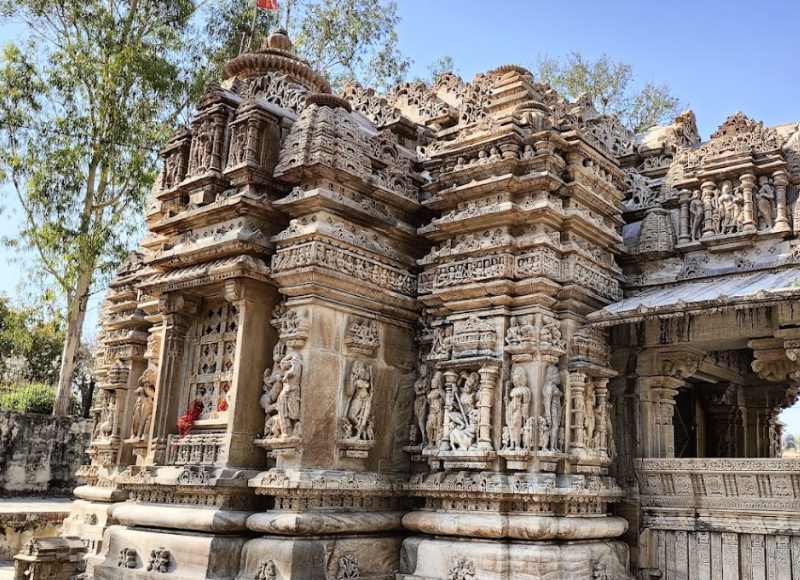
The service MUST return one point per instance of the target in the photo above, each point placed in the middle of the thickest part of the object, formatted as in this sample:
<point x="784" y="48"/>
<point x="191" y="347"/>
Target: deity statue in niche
<point x="433" y="424"/>
<point x="552" y="404"/>
<point x="281" y="398"/>
<point x="697" y="212"/>
<point x="518" y="409"/>
<point x="143" y="408"/>
<point x="765" y="202"/>
<point x="463" y="415"/>
<point x="238" y="146"/>
<point x="358" y="421"/>
<point x="105" y="424"/>
<point x="419" y="432"/>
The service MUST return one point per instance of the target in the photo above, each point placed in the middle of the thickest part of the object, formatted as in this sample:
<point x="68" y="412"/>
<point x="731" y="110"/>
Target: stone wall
<point x="40" y="454"/>
<point x="723" y="555"/>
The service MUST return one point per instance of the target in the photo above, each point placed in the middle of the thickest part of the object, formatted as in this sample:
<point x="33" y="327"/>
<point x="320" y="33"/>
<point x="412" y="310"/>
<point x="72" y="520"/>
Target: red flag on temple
<point x="267" y="4"/>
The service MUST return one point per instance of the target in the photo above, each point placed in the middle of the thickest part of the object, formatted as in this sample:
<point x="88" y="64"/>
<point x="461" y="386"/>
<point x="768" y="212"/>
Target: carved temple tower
<point x="371" y="337"/>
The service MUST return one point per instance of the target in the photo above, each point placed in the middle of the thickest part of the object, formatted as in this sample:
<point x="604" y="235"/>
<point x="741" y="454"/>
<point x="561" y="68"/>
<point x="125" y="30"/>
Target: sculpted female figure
<point x="143" y="409"/>
<point x="518" y="409"/>
<point x="288" y="402"/>
<point x="551" y="396"/>
<point x="698" y="214"/>
<point x="359" y="413"/>
<point x="766" y="199"/>
<point x="433" y="425"/>
<point x="421" y="403"/>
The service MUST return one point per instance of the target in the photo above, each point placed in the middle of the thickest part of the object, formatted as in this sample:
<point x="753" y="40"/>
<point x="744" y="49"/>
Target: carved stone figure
<point x="358" y="422"/>
<point x="143" y="408"/>
<point x="462" y="417"/>
<point x="552" y="404"/>
<point x="347" y="568"/>
<point x="697" y="215"/>
<point x="765" y="203"/>
<point x="433" y="425"/>
<point x="288" y="401"/>
<point x="421" y="386"/>
<point x="518" y="407"/>
<point x="105" y="426"/>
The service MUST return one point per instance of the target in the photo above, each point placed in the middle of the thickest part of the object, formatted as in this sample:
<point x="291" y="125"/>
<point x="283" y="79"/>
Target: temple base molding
<point x="444" y="559"/>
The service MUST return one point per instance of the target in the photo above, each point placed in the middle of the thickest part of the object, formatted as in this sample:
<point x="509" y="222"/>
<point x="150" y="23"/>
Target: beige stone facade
<point x="468" y="331"/>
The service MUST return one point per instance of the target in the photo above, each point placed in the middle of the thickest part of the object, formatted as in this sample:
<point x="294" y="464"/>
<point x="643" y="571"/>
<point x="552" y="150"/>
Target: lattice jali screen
<point x="213" y="358"/>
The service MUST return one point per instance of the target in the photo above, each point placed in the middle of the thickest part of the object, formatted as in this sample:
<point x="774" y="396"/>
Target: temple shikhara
<point x="460" y="331"/>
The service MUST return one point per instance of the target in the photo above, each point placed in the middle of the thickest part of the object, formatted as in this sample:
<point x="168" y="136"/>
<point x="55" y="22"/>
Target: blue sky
<point x="718" y="56"/>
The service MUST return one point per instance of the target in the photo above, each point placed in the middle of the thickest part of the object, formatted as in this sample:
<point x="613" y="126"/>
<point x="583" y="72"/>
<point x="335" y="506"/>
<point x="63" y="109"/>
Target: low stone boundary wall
<point x="25" y="519"/>
<point x="39" y="454"/>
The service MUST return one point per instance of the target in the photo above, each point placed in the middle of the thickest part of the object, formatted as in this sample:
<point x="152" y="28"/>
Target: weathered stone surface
<point x="470" y="318"/>
<point x="40" y="454"/>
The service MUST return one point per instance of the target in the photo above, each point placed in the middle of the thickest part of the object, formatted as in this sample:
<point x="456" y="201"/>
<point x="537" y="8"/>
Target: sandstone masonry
<point x="467" y="331"/>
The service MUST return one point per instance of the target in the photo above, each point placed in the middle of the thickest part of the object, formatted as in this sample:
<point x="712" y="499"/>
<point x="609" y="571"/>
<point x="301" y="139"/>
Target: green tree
<point x="344" y="39"/>
<point x="31" y="341"/>
<point x="609" y="85"/>
<point x="83" y="107"/>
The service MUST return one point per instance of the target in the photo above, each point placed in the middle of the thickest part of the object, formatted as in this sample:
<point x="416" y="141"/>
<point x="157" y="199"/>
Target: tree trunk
<point x="76" y="313"/>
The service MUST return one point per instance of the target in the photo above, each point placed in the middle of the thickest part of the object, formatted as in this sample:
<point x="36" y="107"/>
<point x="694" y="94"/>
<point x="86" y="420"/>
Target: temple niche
<point x="467" y="330"/>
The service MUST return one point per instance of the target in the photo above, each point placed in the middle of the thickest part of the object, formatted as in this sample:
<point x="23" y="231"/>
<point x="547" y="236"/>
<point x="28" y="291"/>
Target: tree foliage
<point x="83" y="107"/>
<point x="343" y="39"/>
<point x="30" y="344"/>
<point x="610" y="87"/>
<point x="87" y="101"/>
<point x="32" y="398"/>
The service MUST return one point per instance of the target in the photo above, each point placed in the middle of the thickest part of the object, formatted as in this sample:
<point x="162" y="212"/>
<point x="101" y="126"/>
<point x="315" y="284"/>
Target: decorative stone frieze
<point x="429" y="334"/>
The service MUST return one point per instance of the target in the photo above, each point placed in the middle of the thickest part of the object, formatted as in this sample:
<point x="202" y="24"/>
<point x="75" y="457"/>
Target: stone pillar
<point x="684" y="236"/>
<point x="664" y="398"/>
<point x="577" y="390"/>
<point x="657" y="408"/>
<point x="601" y="393"/>
<point x="708" y="188"/>
<point x="176" y="311"/>
<point x="781" y="180"/>
<point x="254" y="302"/>
<point x="748" y="181"/>
<point x="488" y="375"/>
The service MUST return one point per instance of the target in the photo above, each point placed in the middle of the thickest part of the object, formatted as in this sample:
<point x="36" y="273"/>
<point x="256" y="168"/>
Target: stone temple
<point x="467" y="331"/>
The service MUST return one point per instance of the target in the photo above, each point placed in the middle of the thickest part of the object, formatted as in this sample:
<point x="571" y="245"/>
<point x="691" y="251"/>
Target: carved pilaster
<point x="748" y="182"/>
<point x="488" y="382"/>
<point x="176" y="311"/>
<point x="577" y="393"/>
<point x="781" y="180"/>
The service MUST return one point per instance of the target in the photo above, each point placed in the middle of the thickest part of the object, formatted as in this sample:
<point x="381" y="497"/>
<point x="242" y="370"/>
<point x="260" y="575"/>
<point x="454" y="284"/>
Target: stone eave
<point x="449" y="198"/>
<point x="677" y="308"/>
<point x="206" y="274"/>
<point x="230" y="207"/>
<point x="321" y="198"/>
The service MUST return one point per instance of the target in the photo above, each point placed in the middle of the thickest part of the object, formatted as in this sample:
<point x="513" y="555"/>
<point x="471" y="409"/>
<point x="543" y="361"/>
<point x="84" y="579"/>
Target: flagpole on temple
<point x="249" y="34"/>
